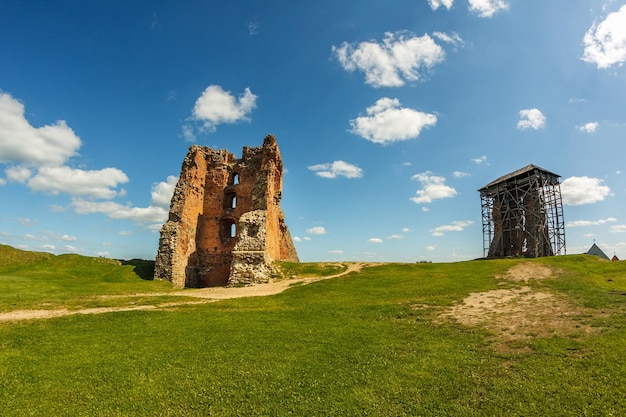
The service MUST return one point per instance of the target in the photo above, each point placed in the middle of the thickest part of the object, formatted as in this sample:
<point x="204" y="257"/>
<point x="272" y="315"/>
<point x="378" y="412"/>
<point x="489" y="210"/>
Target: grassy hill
<point x="504" y="337"/>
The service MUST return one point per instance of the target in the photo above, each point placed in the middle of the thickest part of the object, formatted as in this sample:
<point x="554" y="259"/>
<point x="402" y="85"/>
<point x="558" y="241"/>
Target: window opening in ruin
<point x="228" y="229"/>
<point x="235" y="179"/>
<point x="233" y="202"/>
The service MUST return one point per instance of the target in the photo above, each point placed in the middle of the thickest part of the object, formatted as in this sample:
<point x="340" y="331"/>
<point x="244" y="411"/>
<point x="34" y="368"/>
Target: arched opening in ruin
<point x="234" y="179"/>
<point x="230" y="201"/>
<point x="228" y="229"/>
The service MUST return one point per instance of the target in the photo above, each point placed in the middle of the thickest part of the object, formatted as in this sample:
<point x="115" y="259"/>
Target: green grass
<point x="35" y="280"/>
<point x="349" y="346"/>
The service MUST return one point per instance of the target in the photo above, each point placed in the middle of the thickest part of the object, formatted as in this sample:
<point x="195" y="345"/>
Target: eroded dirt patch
<point x="522" y="313"/>
<point x="527" y="271"/>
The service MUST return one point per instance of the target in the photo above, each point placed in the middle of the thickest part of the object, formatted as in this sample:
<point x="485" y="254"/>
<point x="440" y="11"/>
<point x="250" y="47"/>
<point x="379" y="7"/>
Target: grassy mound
<point x="390" y="340"/>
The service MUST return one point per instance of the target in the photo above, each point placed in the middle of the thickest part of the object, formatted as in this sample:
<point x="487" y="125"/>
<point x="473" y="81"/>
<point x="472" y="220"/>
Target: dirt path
<point x="206" y="295"/>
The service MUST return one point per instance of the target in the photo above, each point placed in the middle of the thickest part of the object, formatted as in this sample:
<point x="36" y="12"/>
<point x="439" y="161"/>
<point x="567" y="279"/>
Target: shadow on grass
<point x="143" y="268"/>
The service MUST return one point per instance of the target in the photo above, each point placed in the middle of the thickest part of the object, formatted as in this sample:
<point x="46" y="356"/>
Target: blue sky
<point x="389" y="117"/>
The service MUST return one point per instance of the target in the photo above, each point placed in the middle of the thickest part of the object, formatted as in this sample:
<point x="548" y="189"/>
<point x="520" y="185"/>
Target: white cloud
<point x="605" y="43"/>
<point x="387" y="122"/>
<point x="456" y="226"/>
<point x="395" y="237"/>
<point x="375" y="240"/>
<point x="435" y="4"/>
<point x="430" y="248"/>
<point x="576" y="191"/>
<point x="335" y="252"/>
<point x="479" y="160"/>
<point x="48" y="248"/>
<point x="317" y="230"/>
<point x="97" y="183"/>
<point x="156" y="212"/>
<point x="405" y="230"/>
<point x="452" y="38"/>
<point x="216" y="106"/>
<point x="459" y="174"/>
<point x="618" y="228"/>
<point x="584" y="223"/>
<point x="337" y="169"/>
<point x="433" y="188"/>
<point x="118" y="211"/>
<point x="49" y="145"/>
<point x="306" y="238"/>
<point x="297" y="239"/>
<point x="588" y="127"/>
<point x="18" y="173"/>
<point x="393" y="62"/>
<point x="162" y="192"/>
<point x="487" y="8"/>
<point x="2" y="181"/>
<point x="124" y="233"/>
<point x="531" y="119"/>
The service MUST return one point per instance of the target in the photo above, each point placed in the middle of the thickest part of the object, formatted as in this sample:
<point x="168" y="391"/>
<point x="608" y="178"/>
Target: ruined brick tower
<point x="225" y="225"/>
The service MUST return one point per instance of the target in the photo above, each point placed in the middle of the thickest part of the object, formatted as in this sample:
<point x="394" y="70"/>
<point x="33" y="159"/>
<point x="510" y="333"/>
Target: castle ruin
<point x="225" y="225"/>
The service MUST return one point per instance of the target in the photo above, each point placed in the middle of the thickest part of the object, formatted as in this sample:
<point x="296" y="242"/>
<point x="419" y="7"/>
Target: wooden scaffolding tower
<point x="522" y="214"/>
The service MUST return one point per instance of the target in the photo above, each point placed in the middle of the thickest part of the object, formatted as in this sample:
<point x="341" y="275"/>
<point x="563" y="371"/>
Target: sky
<point x="389" y="117"/>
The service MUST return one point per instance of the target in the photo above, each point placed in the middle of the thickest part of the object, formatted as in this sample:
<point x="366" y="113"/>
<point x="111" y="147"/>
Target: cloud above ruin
<point x="433" y="188"/>
<point x="605" y="42"/>
<point x="531" y="119"/>
<point x="576" y="191"/>
<point x="336" y="169"/>
<point x="387" y="121"/>
<point x="399" y="58"/>
<point x="216" y="106"/>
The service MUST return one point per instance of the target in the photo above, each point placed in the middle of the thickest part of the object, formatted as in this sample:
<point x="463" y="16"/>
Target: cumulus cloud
<point x="40" y="155"/>
<point x="386" y="122"/>
<point x="337" y="169"/>
<point x="156" y="212"/>
<point x="459" y="174"/>
<point x="433" y="188"/>
<point x="531" y="119"/>
<point x="18" y="173"/>
<point x="605" y="42"/>
<point x="430" y="248"/>
<point x="335" y="252"/>
<point x="435" y="4"/>
<point x="584" y="223"/>
<point x="456" y="226"/>
<point x="49" y="145"/>
<point x="317" y="230"/>
<point x="479" y="160"/>
<point x="576" y="191"/>
<point x="395" y="237"/>
<point x="588" y="127"/>
<point x="96" y="184"/>
<point x="216" y="106"/>
<point x="375" y="240"/>
<point x="487" y="8"/>
<point x="394" y="61"/>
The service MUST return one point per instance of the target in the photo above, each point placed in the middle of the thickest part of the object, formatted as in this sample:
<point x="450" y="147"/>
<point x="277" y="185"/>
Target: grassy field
<point x="393" y="340"/>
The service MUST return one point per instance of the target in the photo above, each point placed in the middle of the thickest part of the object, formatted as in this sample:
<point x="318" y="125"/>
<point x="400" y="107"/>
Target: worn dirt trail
<point x="203" y="296"/>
